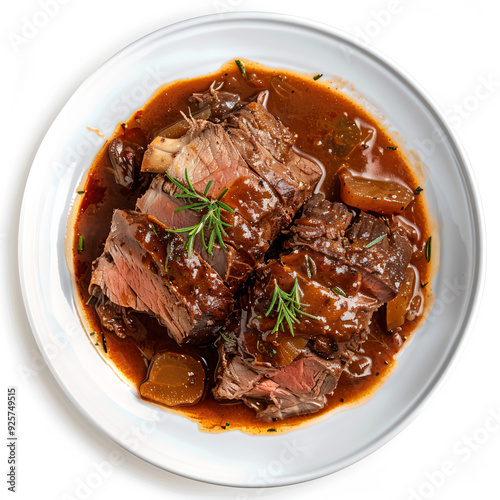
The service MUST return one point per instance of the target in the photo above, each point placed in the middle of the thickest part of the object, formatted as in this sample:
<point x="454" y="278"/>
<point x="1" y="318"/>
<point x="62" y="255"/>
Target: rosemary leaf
<point x="428" y="249"/>
<point x="242" y="69"/>
<point x="376" y="240"/>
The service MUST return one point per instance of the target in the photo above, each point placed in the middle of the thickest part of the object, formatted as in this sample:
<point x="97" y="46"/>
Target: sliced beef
<point x="232" y="265"/>
<point x="299" y="388"/>
<point x="267" y="147"/>
<point x="145" y="269"/>
<point x="381" y="256"/>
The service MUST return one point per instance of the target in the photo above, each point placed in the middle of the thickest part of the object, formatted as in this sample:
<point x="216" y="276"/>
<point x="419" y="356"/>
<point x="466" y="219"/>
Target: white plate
<point x="111" y="94"/>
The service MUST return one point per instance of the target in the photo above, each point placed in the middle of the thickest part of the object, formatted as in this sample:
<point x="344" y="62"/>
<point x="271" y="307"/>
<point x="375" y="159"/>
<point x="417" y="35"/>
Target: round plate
<point x="122" y="85"/>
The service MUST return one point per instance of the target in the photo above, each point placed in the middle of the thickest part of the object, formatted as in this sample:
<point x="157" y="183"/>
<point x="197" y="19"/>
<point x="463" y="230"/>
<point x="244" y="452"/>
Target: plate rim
<point x="469" y="184"/>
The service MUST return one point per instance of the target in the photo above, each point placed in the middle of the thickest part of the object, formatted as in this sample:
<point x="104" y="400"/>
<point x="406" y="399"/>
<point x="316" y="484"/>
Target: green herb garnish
<point x="339" y="291"/>
<point x="428" y="249"/>
<point x="242" y="69"/>
<point x="211" y="220"/>
<point x="153" y="229"/>
<point x="376" y="240"/>
<point x="287" y="306"/>
<point x="80" y="244"/>
<point x="104" y="345"/>
<point x="392" y="148"/>
<point x="227" y="339"/>
<point x="317" y="77"/>
<point x="417" y="190"/>
<point x="272" y="430"/>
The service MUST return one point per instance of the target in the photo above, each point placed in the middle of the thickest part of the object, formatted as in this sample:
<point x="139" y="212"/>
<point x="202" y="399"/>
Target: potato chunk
<point x="381" y="196"/>
<point x="174" y="380"/>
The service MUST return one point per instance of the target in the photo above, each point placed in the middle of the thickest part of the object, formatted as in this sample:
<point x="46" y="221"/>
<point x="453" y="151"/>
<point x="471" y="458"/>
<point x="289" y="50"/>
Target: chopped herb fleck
<point x="90" y="300"/>
<point x="227" y="339"/>
<point x="423" y="285"/>
<point x="364" y="146"/>
<point x="80" y="244"/>
<point x="376" y="240"/>
<point x="428" y="249"/>
<point x="341" y="400"/>
<point x="392" y="148"/>
<point x="377" y="374"/>
<point x="91" y="333"/>
<point x="272" y="430"/>
<point x="339" y="291"/>
<point x="80" y="192"/>
<point x="317" y="77"/>
<point x="104" y="344"/>
<point x="242" y="69"/>
<point x="153" y="229"/>
<point x="417" y="190"/>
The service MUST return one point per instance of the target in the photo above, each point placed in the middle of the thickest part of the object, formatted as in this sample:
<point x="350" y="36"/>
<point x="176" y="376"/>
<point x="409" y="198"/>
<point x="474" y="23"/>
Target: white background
<point x="452" y="449"/>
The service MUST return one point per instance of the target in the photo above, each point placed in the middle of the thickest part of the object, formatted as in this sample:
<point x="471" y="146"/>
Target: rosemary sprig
<point x="211" y="220"/>
<point x="287" y="306"/>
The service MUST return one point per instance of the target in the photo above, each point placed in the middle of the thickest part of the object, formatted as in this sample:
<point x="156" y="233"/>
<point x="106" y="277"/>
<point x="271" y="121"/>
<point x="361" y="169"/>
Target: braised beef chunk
<point x="267" y="147"/>
<point x="333" y="314"/>
<point x="275" y="393"/>
<point x="381" y="256"/>
<point x="321" y="227"/>
<point x="145" y="269"/>
<point x="233" y="265"/>
<point x="321" y="218"/>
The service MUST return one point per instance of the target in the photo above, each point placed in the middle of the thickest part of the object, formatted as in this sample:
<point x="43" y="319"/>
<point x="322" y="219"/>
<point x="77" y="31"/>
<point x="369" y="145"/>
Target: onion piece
<point x="376" y="195"/>
<point x="175" y="380"/>
<point x="289" y="348"/>
<point x="398" y="306"/>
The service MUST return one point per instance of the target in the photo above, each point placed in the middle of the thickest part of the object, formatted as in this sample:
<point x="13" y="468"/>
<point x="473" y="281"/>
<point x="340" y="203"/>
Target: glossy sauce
<point x="311" y="110"/>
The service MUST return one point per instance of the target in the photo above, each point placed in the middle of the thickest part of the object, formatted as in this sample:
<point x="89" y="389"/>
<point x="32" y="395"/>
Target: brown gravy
<point x="309" y="108"/>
